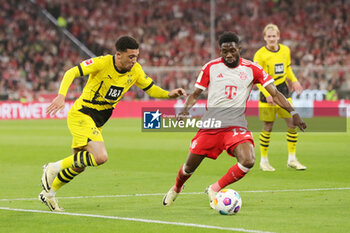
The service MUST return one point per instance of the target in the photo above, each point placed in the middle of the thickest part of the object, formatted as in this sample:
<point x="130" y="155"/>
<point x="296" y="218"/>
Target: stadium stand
<point x="34" y="54"/>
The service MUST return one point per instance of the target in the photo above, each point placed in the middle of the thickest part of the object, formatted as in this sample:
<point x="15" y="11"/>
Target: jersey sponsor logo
<point x="151" y="120"/>
<point x="230" y="91"/>
<point x="220" y="76"/>
<point x="243" y="75"/>
<point x="114" y="93"/>
<point x="279" y="68"/>
<point x="88" y="62"/>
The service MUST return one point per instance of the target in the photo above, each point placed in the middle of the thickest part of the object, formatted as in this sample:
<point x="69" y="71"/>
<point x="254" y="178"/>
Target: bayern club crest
<point x="243" y="75"/>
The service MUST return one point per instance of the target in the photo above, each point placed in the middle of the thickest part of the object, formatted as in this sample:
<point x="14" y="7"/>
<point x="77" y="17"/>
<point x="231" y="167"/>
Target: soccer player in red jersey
<point x="229" y="80"/>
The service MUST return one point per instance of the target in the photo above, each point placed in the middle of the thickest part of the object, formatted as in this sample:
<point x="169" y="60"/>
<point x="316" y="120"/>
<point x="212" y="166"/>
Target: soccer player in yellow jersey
<point x="275" y="60"/>
<point x="110" y="77"/>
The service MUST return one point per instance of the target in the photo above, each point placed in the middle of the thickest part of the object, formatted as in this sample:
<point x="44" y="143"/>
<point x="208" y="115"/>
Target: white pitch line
<point x="296" y="190"/>
<point x="139" y="220"/>
<point x="192" y="193"/>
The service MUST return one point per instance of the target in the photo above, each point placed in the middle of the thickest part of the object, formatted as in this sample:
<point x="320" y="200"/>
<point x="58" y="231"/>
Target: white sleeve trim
<point x="268" y="82"/>
<point x="200" y="87"/>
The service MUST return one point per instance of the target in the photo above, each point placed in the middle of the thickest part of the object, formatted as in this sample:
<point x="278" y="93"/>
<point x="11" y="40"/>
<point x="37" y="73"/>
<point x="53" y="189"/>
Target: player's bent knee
<point x="268" y="126"/>
<point x="248" y="162"/>
<point x="101" y="158"/>
<point x="188" y="170"/>
<point x="246" y="155"/>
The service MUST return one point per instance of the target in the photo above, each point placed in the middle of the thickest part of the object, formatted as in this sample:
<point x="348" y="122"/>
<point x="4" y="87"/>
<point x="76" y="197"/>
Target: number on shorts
<point x="240" y="131"/>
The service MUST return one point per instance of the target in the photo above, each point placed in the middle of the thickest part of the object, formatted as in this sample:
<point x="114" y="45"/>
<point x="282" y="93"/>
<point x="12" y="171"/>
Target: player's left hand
<point x="177" y="93"/>
<point x="297" y="87"/>
<point x="297" y="121"/>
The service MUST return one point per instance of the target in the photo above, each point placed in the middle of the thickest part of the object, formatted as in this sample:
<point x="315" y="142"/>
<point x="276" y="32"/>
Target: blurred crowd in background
<point x="34" y="54"/>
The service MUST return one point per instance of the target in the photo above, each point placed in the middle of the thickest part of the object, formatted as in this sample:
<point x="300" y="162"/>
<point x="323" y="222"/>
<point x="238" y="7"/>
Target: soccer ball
<point x="227" y="202"/>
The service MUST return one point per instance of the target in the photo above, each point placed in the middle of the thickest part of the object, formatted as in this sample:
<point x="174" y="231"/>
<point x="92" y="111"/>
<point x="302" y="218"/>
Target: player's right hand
<point x="297" y="121"/>
<point x="297" y="87"/>
<point x="56" y="105"/>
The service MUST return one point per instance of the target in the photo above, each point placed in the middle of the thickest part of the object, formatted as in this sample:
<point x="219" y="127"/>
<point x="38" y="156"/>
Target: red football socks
<point x="234" y="174"/>
<point x="181" y="178"/>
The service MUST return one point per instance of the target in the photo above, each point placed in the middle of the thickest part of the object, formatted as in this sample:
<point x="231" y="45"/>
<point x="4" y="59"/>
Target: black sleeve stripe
<point x="80" y="70"/>
<point x="149" y="86"/>
<point x="278" y="78"/>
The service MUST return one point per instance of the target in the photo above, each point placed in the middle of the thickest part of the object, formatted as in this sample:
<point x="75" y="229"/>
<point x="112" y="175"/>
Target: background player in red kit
<point x="229" y="80"/>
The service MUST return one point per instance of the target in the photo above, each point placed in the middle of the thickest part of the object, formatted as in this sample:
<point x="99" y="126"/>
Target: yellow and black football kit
<point x="105" y="87"/>
<point x="278" y="65"/>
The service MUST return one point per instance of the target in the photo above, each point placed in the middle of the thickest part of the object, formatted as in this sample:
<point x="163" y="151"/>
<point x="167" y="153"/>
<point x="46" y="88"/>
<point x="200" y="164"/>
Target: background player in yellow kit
<point x="275" y="60"/>
<point x="110" y="77"/>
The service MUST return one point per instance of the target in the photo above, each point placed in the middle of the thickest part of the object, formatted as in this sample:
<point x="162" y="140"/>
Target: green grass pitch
<point x="103" y="199"/>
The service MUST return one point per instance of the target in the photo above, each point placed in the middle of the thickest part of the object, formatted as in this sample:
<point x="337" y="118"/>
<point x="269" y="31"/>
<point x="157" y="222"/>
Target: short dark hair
<point x="126" y="42"/>
<point x="228" y="37"/>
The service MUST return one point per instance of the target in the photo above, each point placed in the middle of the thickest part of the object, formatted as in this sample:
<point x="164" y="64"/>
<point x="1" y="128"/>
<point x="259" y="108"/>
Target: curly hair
<point x="228" y="37"/>
<point x="126" y="42"/>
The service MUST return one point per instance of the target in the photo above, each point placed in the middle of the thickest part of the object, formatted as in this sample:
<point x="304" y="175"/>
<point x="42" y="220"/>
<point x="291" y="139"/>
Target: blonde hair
<point x="273" y="27"/>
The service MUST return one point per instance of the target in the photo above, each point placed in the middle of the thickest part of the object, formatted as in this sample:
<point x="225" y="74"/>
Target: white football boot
<point x="265" y="166"/>
<point x="49" y="174"/>
<point x="50" y="201"/>
<point x="211" y="194"/>
<point x="296" y="164"/>
<point x="170" y="197"/>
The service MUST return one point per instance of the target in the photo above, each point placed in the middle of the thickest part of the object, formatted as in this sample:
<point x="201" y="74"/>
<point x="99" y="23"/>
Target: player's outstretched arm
<point x="159" y="93"/>
<point x="177" y="93"/>
<point x="56" y="105"/>
<point x="190" y="101"/>
<point x="279" y="99"/>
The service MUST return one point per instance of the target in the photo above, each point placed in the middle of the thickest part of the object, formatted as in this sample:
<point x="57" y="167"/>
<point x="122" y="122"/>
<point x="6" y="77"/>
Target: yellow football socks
<point x="292" y="139"/>
<point x="80" y="159"/>
<point x="264" y="140"/>
<point x="63" y="178"/>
